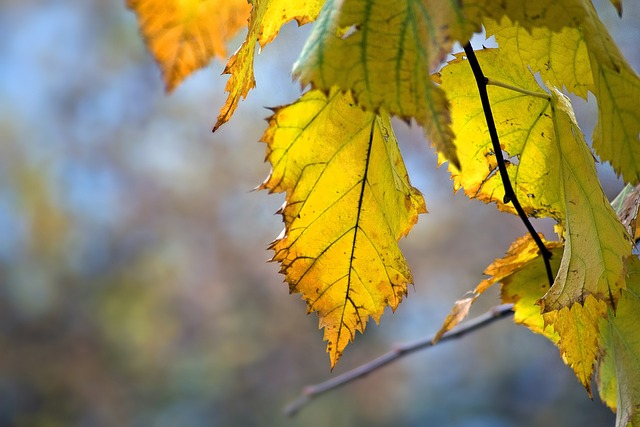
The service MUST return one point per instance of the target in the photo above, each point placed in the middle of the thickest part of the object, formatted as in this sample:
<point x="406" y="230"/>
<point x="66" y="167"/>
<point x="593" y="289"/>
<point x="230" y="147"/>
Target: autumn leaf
<point x="458" y="313"/>
<point x="584" y="58"/>
<point x="184" y="35"/>
<point x="577" y="326"/>
<point x="383" y="51"/>
<point x="627" y="207"/>
<point x="348" y="201"/>
<point x="551" y="169"/>
<point x="524" y="281"/>
<point x="560" y="57"/>
<point x="265" y="21"/>
<point x="523" y="254"/>
<point x="618" y="5"/>
<point x="619" y="364"/>
<point x="574" y="329"/>
<point x="591" y="264"/>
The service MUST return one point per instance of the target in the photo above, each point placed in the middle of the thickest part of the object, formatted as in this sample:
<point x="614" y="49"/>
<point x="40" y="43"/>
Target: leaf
<point x="348" y="201"/>
<point x="584" y="57"/>
<point x="596" y="243"/>
<point x="627" y="207"/>
<point x="561" y="57"/>
<point x="574" y="329"/>
<point x="523" y="254"/>
<point x="618" y="5"/>
<point x="619" y="365"/>
<point x="458" y="313"/>
<point x="577" y="326"/>
<point x="550" y="167"/>
<point x="265" y="21"/>
<point x="526" y="282"/>
<point x="184" y="35"/>
<point x="383" y="51"/>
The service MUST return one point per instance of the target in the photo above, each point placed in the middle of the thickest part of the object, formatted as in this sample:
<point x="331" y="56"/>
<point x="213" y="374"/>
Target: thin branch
<point x="493" y="82"/>
<point x="509" y="193"/>
<point x="396" y="353"/>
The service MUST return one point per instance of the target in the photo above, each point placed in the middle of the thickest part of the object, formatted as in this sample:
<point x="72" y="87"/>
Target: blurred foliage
<point x="133" y="284"/>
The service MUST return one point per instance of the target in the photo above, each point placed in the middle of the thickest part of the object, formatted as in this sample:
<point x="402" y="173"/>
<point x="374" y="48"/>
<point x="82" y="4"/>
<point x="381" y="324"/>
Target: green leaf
<point x="619" y="366"/>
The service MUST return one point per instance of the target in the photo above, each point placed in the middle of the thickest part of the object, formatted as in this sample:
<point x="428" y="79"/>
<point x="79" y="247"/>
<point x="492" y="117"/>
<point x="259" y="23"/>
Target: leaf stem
<point x="398" y="351"/>
<point x="509" y="193"/>
<point x="492" y="82"/>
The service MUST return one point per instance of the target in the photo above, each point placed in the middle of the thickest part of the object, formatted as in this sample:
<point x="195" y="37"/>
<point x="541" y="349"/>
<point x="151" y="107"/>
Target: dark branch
<point x="509" y="193"/>
<point x="397" y="352"/>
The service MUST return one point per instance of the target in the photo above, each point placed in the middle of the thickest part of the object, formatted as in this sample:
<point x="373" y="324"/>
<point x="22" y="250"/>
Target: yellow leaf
<point x="550" y="167"/>
<point x="523" y="262"/>
<point x="383" y="50"/>
<point x="573" y="329"/>
<point x="581" y="58"/>
<point x="524" y="127"/>
<point x="552" y="14"/>
<point x="184" y="35"/>
<point x="265" y="21"/>
<point x="560" y="57"/>
<point x="577" y="326"/>
<point x="348" y="201"/>
<point x="619" y="364"/>
<point x="527" y="282"/>
<point x="458" y="313"/>
<point x="596" y="243"/>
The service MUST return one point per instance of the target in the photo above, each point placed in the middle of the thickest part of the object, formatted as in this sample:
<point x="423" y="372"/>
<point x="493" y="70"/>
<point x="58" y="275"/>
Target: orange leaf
<point x="267" y="17"/>
<point x="184" y="35"/>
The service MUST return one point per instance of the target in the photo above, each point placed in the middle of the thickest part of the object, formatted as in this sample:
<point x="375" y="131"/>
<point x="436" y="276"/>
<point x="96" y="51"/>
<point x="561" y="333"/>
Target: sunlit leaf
<point x="619" y="367"/>
<point x="551" y="168"/>
<point x="584" y="58"/>
<point x="577" y="326"/>
<point x="560" y="57"/>
<point x="348" y="201"/>
<point x="383" y="51"/>
<point x="265" y="21"/>
<point x="618" y="5"/>
<point x="184" y="35"/>
<point x="524" y="285"/>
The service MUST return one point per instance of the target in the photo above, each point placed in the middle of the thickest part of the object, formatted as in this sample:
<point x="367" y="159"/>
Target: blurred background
<point x="134" y="283"/>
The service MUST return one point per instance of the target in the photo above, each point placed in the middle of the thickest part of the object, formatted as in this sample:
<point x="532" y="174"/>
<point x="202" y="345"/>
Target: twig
<point x="492" y="82"/>
<point x="509" y="193"/>
<point x="397" y="352"/>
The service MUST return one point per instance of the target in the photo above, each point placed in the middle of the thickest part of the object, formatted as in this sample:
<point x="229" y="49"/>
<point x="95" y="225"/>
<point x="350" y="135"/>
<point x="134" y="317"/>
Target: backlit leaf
<point x="618" y="5"/>
<point x="552" y="171"/>
<point x="577" y="326"/>
<point x="584" y="58"/>
<point x="560" y="57"/>
<point x="592" y="263"/>
<point x="348" y="201"/>
<point x="184" y="35"/>
<point x="524" y="285"/>
<point x="619" y="366"/>
<point x="265" y="21"/>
